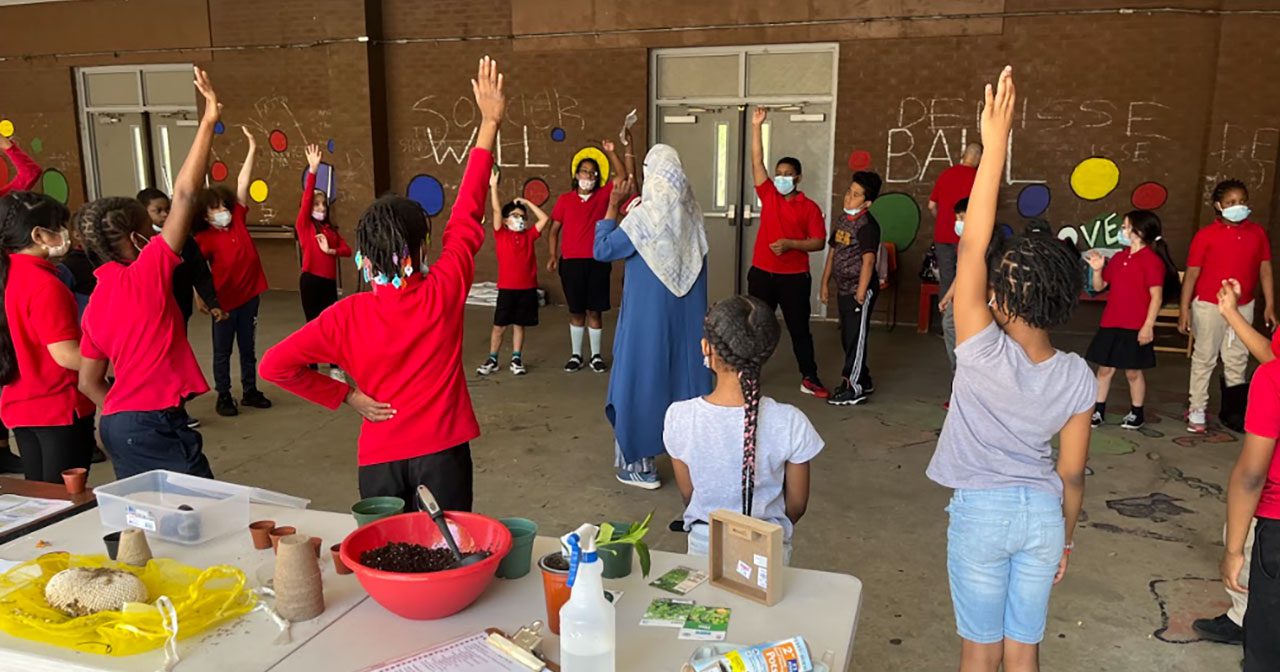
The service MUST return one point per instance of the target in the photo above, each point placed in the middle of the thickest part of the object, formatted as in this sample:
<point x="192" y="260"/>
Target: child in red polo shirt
<point x="1140" y="277"/>
<point x="28" y="169"/>
<point x="223" y="235"/>
<point x="39" y="341"/>
<point x="517" y="307"/>
<point x="791" y="226"/>
<point x="321" y="246"/>
<point x="403" y="341"/>
<point x="133" y="322"/>
<point x="1232" y="247"/>
<point x="585" y="281"/>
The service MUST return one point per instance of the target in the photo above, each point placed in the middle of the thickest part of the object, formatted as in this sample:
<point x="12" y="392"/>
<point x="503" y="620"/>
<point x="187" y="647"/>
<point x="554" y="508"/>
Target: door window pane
<point x="169" y="87"/>
<point x="790" y="74"/>
<point x="111" y="88"/>
<point x="697" y="76"/>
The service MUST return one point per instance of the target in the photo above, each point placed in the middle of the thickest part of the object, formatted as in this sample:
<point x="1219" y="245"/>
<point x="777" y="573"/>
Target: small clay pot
<point x="261" y="532"/>
<point x="75" y="479"/>
<point x="278" y="533"/>
<point x="338" y="565"/>
<point x="112" y="542"/>
<point x="317" y="542"/>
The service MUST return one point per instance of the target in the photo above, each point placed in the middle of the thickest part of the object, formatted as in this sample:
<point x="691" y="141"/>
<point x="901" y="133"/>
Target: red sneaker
<point x="946" y="405"/>
<point x="811" y="385"/>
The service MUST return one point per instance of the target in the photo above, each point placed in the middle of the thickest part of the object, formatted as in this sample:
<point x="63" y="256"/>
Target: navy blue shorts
<point x="140" y="441"/>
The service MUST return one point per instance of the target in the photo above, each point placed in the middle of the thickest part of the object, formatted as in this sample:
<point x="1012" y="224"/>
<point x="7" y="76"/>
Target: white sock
<point x="575" y="339"/>
<point x="596" y="335"/>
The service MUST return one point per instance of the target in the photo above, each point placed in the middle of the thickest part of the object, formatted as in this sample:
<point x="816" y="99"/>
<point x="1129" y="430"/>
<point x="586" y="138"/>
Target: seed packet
<point x="667" y="612"/>
<point x="709" y="624"/>
<point x="680" y="580"/>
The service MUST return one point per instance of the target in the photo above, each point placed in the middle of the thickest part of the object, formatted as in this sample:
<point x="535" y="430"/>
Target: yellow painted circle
<point x="1094" y="178"/>
<point x="594" y="154"/>
<point x="6" y="128"/>
<point x="258" y="191"/>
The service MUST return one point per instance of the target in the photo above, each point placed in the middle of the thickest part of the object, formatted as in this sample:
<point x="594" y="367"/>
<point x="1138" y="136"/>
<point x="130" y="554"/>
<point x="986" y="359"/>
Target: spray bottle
<point x="587" y="634"/>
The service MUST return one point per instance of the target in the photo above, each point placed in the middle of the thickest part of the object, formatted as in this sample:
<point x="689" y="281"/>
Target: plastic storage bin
<point x="180" y="508"/>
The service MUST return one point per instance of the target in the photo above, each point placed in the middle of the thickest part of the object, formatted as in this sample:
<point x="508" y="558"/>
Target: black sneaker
<point x="598" y="365"/>
<point x="1132" y="421"/>
<point x="226" y="406"/>
<point x="10" y="463"/>
<point x="846" y="396"/>
<point x="517" y="366"/>
<point x="1218" y="629"/>
<point x="1097" y="420"/>
<point x="574" y="364"/>
<point x="255" y="399"/>
<point x="193" y="423"/>
<point x="490" y="366"/>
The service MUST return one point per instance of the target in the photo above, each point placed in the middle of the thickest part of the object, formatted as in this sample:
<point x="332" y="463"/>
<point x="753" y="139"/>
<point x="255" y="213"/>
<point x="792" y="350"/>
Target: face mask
<point x="586" y="184"/>
<point x="222" y="219"/>
<point x="138" y="241"/>
<point x="959" y="226"/>
<point x="61" y="249"/>
<point x="706" y="361"/>
<point x="853" y="212"/>
<point x="1236" y="213"/>
<point x="318" y="215"/>
<point x="515" y="223"/>
<point x="785" y="184"/>
<point x="1124" y="238"/>
<point x="157" y="229"/>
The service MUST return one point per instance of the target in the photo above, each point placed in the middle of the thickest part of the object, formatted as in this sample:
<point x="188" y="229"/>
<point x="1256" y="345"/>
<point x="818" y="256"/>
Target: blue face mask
<point x="1235" y="213"/>
<point x="959" y="226"/>
<point x="1124" y="238"/>
<point x="785" y="184"/>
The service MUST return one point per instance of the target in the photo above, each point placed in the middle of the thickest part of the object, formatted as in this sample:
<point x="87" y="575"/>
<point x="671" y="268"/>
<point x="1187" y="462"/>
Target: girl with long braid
<point x="735" y="448"/>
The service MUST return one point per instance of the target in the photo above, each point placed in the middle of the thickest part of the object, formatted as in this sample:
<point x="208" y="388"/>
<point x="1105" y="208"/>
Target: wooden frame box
<point x="746" y="557"/>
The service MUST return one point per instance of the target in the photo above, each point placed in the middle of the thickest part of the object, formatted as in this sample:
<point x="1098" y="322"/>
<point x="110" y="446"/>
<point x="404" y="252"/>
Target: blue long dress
<point x="657" y="352"/>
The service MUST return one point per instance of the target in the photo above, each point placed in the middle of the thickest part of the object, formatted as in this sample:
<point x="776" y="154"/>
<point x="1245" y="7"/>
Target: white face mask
<point x="586" y="184"/>
<point x="959" y="226"/>
<point x="138" y="241"/>
<point x="1236" y="213"/>
<point x="157" y="229"/>
<point x="318" y="215"/>
<point x="61" y="249"/>
<point x="515" y="223"/>
<point x="222" y="219"/>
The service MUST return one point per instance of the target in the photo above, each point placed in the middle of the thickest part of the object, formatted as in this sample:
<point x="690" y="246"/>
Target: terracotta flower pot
<point x="75" y="479"/>
<point x="279" y="533"/>
<point x="316" y="542"/>
<point x="261" y="532"/>
<point x="338" y="565"/>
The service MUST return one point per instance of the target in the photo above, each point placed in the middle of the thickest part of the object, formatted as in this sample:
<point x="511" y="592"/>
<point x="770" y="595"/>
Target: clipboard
<point x="490" y="650"/>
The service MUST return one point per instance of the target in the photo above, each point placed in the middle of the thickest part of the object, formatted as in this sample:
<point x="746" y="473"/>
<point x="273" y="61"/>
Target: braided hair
<point x="390" y="236"/>
<point x="107" y="226"/>
<point x="1036" y="278"/>
<point x="743" y="332"/>
<point x="21" y="212"/>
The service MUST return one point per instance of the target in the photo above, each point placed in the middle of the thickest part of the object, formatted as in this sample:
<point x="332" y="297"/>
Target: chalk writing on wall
<point x="447" y="128"/>
<point x="1242" y="152"/>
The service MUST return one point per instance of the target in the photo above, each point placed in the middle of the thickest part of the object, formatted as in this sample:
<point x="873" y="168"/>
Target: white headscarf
<point x="666" y="227"/>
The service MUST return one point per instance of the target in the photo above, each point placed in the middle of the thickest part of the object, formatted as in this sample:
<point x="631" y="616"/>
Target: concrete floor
<point x="1142" y="570"/>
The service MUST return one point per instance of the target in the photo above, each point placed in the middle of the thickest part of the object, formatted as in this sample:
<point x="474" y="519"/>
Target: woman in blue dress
<point x="657" y="351"/>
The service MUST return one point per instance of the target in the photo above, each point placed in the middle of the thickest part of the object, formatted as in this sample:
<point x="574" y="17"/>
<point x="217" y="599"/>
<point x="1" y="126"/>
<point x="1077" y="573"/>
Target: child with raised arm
<point x="134" y="324"/>
<point x="1013" y="511"/>
<point x="517" y="307"/>
<point x="403" y="341"/>
<point x="321" y="244"/>
<point x="28" y="169"/>
<point x="223" y="234"/>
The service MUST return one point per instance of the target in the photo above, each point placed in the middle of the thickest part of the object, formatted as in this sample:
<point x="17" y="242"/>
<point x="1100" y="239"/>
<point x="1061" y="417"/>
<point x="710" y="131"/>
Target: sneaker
<point x="193" y="423"/>
<point x="99" y="456"/>
<point x="640" y="479"/>
<point x="1132" y="421"/>
<point x="845" y="396"/>
<point x="812" y="386"/>
<point x="1097" y="420"/>
<point x="869" y="389"/>
<point x="1218" y="629"/>
<point x="574" y="364"/>
<point x="338" y="374"/>
<point x="255" y="399"/>
<point x="490" y="366"/>
<point x="598" y="365"/>
<point x="1196" y="423"/>
<point x="517" y="366"/>
<point x="10" y="463"/>
<point x="226" y="406"/>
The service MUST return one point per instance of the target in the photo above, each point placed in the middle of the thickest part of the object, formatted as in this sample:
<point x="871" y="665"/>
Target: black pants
<point x="447" y="473"/>
<point x="317" y="294"/>
<point x="791" y="291"/>
<point x="238" y="329"/>
<point x="855" y="325"/>
<point x="139" y="441"/>
<point x="1262" y="618"/>
<point x="49" y="451"/>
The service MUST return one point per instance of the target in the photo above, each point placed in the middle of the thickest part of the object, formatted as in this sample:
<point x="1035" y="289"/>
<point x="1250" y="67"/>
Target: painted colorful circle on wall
<point x="859" y="159"/>
<point x="1094" y="178"/>
<point x="1033" y="200"/>
<point x="428" y="192"/>
<point x="595" y="155"/>
<point x="218" y="171"/>
<point x="899" y="218"/>
<point x="1149" y="196"/>
<point x="6" y="128"/>
<point x="259" y="191"/>
<point x="219" y="128"/>
<point x="55" y="185"/>
<point x="557" y="134"/>
<point x="279" y="141"/>
<point x="536" y="191"/>
<point x="324" y="180"/>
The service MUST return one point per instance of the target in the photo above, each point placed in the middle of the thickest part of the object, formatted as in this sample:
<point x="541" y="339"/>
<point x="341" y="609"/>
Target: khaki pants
<point x="1215" y="339"/>
<point x="1240" y="601"/>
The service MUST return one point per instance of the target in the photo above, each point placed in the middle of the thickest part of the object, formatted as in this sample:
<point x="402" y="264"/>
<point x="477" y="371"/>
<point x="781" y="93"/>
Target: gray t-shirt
<point x="1005" y="409"/>
<point x="708" y="439"/>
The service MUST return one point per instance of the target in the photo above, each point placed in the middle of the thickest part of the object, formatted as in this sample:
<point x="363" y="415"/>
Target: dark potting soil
<point x="409" y="558"/>
<point x="559" y="562"/>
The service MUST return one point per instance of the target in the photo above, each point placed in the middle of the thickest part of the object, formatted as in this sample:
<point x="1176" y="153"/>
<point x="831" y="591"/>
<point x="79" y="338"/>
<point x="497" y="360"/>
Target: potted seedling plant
<point x="614" y="543"/>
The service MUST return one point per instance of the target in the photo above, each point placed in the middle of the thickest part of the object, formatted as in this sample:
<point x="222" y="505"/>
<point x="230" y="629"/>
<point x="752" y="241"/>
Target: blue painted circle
<point x="330" y="145"/>
<point x="1033" y="200"/>
<point x="218" y="128"/>
<point x="428" y="192"/>
<point x="557" y="134"/>
<point x="324" y="180"/>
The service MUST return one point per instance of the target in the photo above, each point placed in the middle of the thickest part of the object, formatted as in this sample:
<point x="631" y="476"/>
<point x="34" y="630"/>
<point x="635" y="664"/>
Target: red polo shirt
<point x="41" y="311"/>
<point x="1223" y="251"/>
<point x="1263" y="419"/>
<point x="953" y="184"/>
<point x="28" y="171"/>
<point x="133" y="320"/>
<point x="403" y="345"/>
<point x="517" y="258"/>
<point x="1130" y="278"/>
<point x="314" y="260"/>
<point x="578" y="219"/>
<point x="233" y="259"/>
<point x="797" y="218"/>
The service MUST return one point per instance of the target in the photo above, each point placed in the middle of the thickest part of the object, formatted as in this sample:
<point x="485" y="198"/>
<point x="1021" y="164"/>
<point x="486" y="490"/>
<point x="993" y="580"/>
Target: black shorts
<point x="516" y="306"/>
<point x="1119" y="349"/>
<point x="448" y="473"/>
<point x="586" y="285"/>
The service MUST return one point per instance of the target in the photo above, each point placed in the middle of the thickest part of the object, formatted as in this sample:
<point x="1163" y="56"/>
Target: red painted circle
<point x="859" y="159"/>
<point x="536" y="191"/>
<point x="218" y="171"/>
<point x="1149" y="196"/>
<point x="279" y="141"/>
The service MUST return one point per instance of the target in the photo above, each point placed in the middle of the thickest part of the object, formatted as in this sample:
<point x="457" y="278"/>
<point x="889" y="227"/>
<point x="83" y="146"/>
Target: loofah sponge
<point x="82" y="591"/>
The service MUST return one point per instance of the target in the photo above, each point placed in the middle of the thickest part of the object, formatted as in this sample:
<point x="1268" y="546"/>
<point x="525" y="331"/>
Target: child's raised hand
<point x="758" y="115"/>
<point x="313" y="157"/>
<point x="212" y="108"/>
<point x="487" y="88"/>
<point x="997" y="113"/>
<point x="622" y="190"/>
<point x="608" y="146"/>
<point x="252" y="143"/>
<point x="494" y="177"/>
<point x="1096" y="260"/>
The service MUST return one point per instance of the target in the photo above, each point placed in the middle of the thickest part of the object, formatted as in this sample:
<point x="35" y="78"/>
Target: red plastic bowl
<point x="434" y="594"/>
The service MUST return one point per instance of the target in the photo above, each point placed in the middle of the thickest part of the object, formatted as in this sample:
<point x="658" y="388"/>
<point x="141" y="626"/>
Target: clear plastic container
<point x="181" y="508"/>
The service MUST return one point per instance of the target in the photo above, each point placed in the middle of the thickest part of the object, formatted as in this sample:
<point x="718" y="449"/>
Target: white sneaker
<point x="1196" y="423"/>
<point x="490" y="366"/>
<point x="338" y="374"/>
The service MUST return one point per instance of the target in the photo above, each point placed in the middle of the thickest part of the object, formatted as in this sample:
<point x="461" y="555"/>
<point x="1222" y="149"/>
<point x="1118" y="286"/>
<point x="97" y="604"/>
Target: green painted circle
<point x="55" y="185"/>
<point x="899" y="219"/>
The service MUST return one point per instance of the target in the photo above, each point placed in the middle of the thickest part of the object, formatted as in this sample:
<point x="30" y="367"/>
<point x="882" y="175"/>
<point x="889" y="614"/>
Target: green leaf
<point x="605" y="536"/>
<point x="642" y="550"/>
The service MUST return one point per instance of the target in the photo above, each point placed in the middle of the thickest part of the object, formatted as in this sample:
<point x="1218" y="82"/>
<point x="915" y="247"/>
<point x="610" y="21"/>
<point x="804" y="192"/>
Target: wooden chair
<point x="1167" y="319"/>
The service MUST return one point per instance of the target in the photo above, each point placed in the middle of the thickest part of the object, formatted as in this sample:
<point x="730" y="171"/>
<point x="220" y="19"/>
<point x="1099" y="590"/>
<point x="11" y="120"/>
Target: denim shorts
<point x="1003" y="550"/>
